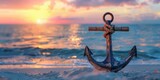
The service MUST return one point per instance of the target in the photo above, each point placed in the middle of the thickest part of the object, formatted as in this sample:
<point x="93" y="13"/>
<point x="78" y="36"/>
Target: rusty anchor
<point x="110" y="63"/>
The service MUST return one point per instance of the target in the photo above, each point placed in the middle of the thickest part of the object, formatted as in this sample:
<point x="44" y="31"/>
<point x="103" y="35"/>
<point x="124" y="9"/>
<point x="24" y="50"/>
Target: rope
<point x="108" y="30"/>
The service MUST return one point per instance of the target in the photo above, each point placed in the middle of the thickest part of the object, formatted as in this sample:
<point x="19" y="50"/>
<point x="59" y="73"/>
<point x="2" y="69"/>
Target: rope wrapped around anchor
<point x="108" y="30"/>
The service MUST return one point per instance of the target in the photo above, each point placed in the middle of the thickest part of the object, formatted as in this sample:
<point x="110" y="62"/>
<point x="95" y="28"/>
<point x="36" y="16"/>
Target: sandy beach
<point x="131" y="72"/>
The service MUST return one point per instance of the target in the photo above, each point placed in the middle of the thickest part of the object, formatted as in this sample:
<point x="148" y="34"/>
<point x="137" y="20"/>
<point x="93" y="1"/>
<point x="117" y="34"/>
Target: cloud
<point x="95" y="3"/>
<point x="19" y="4"/>
<point x="149" y="18"/>
<point x="64" y="20"/>
<point x="156" y="1"/>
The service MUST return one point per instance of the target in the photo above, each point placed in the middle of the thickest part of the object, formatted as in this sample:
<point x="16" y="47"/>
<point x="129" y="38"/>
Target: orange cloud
<point x="64" y="20"/>
<point x="147" y="18"/>
<point x="77" y="11"/>
<point x="19" y="4"/>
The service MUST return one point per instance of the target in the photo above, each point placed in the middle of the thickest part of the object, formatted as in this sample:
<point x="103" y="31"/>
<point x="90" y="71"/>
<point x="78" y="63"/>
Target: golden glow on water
<point x="45" y="36"/>
<point x="46" y="53"/>
<point x="74" y="38"/>
<point x="56" y="61"/>
<point x="43" y="62"/>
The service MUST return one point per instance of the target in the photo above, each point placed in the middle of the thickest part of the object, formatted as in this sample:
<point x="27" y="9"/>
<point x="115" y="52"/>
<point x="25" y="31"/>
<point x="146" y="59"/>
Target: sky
<point x="78" y="11"/>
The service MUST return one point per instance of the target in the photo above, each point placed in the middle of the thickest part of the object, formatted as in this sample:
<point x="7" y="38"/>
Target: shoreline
<point x="129" y="68"/>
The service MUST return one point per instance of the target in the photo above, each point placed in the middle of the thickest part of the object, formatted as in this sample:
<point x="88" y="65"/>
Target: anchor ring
<point x="108" y="21"/>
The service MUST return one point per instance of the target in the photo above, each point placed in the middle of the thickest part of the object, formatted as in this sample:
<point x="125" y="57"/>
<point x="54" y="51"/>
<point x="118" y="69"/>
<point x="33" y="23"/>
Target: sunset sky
<point x="78" y="11"/>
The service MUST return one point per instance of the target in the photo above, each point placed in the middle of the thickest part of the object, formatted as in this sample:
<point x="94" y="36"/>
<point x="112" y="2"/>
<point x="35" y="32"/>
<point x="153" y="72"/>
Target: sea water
<point x="62" y="46"/>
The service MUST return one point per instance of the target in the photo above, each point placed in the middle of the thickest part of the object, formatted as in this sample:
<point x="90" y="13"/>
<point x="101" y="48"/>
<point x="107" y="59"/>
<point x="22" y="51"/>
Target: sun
<point x="41" y="21"/>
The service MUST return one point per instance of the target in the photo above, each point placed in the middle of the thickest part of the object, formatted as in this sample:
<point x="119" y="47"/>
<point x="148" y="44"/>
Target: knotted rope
<point x="108" y="30"/>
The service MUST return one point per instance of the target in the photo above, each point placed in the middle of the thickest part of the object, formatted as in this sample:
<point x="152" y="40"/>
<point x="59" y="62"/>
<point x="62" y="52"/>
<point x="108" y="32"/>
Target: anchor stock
<point x="114" y="28"/>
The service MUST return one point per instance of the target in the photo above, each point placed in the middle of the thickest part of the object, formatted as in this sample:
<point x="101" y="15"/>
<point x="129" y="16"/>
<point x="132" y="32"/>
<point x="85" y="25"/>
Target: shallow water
<point x="50" y="46"/>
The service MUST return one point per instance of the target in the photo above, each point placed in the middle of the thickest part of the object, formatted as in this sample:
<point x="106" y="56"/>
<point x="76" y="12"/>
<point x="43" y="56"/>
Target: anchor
<point x="110" y="63"/>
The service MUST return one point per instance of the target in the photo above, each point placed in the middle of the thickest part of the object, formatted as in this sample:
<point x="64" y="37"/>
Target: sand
<point x="131" y="72"/>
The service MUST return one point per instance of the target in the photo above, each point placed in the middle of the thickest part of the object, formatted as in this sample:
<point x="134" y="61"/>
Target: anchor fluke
<point x="110" y="63"/>
<point x="106" y="66"/>
<point x="87" y="50"/>
<point x="97" y="65"/>
<point x="134" y="53"/>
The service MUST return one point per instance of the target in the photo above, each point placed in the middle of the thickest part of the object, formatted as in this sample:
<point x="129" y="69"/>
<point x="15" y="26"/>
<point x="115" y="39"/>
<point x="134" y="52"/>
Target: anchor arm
<point x="133" y="53"/>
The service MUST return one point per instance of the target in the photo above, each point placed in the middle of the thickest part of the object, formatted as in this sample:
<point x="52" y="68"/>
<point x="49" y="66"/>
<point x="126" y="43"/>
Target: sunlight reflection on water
<point x="43" y="36"/>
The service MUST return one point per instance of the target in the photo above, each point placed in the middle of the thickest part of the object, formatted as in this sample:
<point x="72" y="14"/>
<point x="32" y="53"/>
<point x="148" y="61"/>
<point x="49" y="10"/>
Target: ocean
<point x="62" y="46"/>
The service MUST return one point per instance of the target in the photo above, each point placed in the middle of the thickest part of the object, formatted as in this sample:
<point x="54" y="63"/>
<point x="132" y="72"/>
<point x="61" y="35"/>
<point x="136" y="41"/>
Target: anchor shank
<point x="109" y="58"/>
